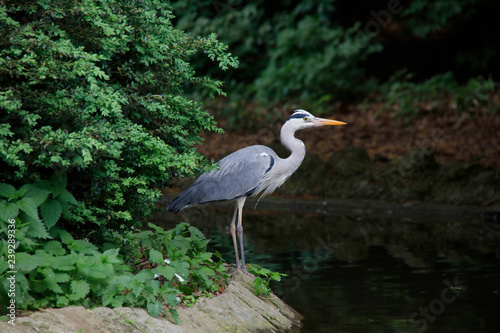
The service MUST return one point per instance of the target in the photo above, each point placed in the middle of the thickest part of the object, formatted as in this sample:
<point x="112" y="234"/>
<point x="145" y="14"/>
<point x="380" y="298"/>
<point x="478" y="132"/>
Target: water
<point x="357" y="274"/>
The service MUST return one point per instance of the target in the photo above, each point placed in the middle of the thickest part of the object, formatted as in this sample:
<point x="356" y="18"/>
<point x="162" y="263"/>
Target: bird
<point x="248" y="172"/>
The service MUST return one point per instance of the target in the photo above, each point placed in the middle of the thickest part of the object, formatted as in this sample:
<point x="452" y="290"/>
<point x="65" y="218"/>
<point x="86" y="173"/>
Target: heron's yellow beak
<point x="323" y="122"/>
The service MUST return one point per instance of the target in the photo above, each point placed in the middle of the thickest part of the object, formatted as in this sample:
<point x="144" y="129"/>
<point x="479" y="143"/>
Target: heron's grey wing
<point x="238" y="174"/>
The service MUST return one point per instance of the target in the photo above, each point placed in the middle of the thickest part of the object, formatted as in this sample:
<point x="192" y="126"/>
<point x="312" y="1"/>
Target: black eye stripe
<point x="298" y="115"/>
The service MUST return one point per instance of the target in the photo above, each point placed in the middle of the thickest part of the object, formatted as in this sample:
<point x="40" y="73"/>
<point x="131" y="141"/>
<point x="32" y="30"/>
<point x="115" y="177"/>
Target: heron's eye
<point x="306" y="119"/>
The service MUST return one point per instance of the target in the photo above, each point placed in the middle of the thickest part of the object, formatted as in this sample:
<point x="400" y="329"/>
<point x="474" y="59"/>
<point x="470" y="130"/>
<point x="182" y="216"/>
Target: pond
<point x="353" y="272"/>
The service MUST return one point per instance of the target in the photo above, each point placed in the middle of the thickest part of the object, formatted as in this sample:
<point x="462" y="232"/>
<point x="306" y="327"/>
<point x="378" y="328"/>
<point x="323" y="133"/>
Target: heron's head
<point x="301" y="119"/>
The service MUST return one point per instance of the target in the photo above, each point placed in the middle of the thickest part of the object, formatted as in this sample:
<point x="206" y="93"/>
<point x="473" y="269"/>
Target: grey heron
<point x="248" y="172"/>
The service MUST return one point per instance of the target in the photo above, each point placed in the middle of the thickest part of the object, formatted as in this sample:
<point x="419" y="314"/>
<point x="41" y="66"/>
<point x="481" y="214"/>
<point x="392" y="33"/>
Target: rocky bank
<point x="236" y="310"/>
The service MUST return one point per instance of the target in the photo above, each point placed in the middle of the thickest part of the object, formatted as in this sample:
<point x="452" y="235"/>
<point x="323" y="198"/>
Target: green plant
<point x="435" y="94"/>
<point x="263" y="277"/>
<point x="320" y="52"/>
<point x="65" y="271"/>
<point x="412" y="98"/>
<point x="61" y="272"/>
<point x="168" y="267"/>
<point x="425" y="17"/>
<point x="296" y="51"/>
<point x="179" y="253"/>
<point x="29" y="248"/>
<point x="46" y="199"/>
<point x="474" y="94"/>
<point x="53" y="269"/>
<point x="96" y="90"/>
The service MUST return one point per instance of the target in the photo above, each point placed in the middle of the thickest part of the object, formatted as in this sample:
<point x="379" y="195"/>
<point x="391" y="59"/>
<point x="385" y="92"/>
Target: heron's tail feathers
<point x="180" y="202"/>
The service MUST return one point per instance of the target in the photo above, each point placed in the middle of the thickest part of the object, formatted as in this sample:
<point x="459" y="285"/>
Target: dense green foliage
<point x="426" y="17"/>
<point x="291" y="51"/>
<point x="97" y="115"/>
<point x="317" y="52"/>
<point x="437" y="93"/>
<point x="94" y="121"/>
<point x="95" y="89"/>
<point x="54" y="269"/>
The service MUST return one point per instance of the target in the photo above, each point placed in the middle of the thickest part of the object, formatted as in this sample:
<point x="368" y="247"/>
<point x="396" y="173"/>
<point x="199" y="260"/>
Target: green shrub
<point x="436" y="94"/>
<point x="318" y="52"/>
<point x="412" y="98"/>
<point x="427" y="16"/>
<point x="179" y="256"/>
<point x="53" y="269"/>
<point x="46" y="199"/>
<point x="316" y="63"/>
<point x="293" y="50"/>
<point x="95" y="90"/>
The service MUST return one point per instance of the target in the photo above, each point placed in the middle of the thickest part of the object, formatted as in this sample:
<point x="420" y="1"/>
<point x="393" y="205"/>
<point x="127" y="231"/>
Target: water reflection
<point x="356" y="274"/>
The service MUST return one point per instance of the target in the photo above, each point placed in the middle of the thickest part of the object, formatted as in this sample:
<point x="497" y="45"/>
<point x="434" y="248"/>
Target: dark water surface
<point x="357" y="274"/>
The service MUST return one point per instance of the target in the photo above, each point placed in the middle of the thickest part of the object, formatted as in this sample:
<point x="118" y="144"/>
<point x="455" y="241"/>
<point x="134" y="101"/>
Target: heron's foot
<point x="243" y="269"/>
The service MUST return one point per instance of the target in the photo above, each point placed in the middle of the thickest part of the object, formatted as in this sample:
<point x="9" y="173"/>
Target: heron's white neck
<point x="294" y="145"/>
<point x="283" y="167"/>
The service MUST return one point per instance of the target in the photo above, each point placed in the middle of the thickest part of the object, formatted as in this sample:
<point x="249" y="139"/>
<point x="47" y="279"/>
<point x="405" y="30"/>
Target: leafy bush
<point x="60" y="272"/>
<point x="411" y="98"/>
<point x="428" y="16"/>
<point x="297" y="50"/>
<point x="315" y="62"/>
<point x="95" y="89"/>
<point x="435" y="94"/>
<point x="317" y="52"/>
<point x="53" y="269"/>
<point x="50" y="196"/>
<point x="167" y="265"/>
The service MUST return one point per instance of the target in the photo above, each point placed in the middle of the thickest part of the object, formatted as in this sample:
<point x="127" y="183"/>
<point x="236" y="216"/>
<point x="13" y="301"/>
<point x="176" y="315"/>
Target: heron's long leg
<point x="232" y="229"/>
<point x="240" y="202"/>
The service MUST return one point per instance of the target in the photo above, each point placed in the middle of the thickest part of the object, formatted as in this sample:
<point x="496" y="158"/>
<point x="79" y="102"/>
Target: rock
<point x="236" y="310"/>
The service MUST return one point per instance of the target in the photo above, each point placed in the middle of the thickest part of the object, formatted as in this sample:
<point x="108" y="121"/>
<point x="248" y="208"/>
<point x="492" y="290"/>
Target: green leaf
<point x="175" y="315"/>
<point x="65" y="236"/>
<point x="28" y="206"/>
<point x="181" y="268"/>
<point x="111" y="256"/>
<point x="168" y="272"/>
<point x="82" y="246"/>
<point x="65" y="195"/>
<point x="62" y="301"/>
<point x="207" y="270"/>
<point x="36" y="194"/>
<point x="80" y="288"/>
<point x="45" y="185"/>
<point x="36" y="228"/>
<point x="195" y="232"/>
<point x="55" y="248"/>
<point x="218" y="255"/>
<point x="8" y="210"/>
<point x="61" y="277"/>
<point x="155" y="308"/>
<point x="26" y="262"/>
<point x="51" y="211"/>
<point x="156" y="256"/>
<point x="52" y="285"/>
<point x="98" y="271"/>
<point x="66" y="263"/>
<point x="6" y="190"/>
<point x="59" y="181"/>
<point x="66" y="212"/>
<point x="45" y="259"/>
<point x="205" y="255"/>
